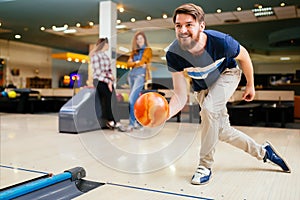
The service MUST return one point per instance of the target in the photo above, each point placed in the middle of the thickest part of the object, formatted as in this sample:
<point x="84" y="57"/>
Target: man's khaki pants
<point x="215" y="123"/>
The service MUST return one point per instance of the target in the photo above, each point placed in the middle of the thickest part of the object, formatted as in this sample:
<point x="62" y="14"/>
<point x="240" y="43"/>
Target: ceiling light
<point x="132" y="19"/>
<point x="121" y="26"/>
<point x="261" y="12"/>
<point x="18" y="36"/>
<point x="282" y="4"/>
<point x="62" y="28"/>
<point x="78" y="25"/>
<point x="124" y="49"/>
<point x="70" y="31"/>
<point x="148" y="18"/>
<point x="165" y="16"/>
<point x="219" y="10"/>
<point x="119" y="21"/>
<point x="239" y="9"/>
<point x="91" y="23"/>
<point x="0" y="24"/>
<point x="42" y="28"/>
<point x="285" y="58"/>
<point x="121" y="9"/>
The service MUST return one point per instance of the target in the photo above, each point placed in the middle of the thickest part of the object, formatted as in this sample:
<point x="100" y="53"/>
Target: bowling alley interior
<point x="54" y="145"/>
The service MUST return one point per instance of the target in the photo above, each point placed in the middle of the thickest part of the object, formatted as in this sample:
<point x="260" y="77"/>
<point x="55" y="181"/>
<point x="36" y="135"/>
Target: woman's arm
<point x="146" y="58"/>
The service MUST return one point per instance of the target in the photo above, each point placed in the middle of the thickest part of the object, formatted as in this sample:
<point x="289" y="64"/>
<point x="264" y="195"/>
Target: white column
<point x="107" y="28"/>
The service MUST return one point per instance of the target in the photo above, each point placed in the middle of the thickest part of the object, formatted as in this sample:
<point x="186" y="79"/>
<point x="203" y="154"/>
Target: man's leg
<point x="212" y="102"/>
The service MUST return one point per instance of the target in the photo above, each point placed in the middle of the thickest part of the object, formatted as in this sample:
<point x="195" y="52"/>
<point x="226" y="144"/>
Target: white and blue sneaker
<point x="273" y="156"/>
<point x="138" y="127"/>
<point x="201" y="176"/>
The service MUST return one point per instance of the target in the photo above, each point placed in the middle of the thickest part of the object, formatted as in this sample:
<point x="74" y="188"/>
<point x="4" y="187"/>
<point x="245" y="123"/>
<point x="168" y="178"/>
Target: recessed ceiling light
<point x="282" y="4"/>
<point x="132" y="19"/>
<point x="148" y="18"/>
<point x="78" y="25"/>
<point x="42" y="28"/>
<point x="239" y="9"/>
<point x="91" y="23"/>
<point x="165" y="16"/>
<point x="219" y="10"/>
<point x="17" y="36"/>
<point x="121" y="9"/>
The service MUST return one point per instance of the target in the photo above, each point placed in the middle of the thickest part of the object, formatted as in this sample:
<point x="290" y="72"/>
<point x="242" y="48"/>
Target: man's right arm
<point x="179" y="98"/>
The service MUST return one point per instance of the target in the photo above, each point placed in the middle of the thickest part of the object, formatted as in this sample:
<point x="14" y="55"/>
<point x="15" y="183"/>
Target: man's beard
<point x="188" y="45"/>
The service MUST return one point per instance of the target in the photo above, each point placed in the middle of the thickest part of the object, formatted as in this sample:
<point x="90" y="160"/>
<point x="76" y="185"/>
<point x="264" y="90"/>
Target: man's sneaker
<point x="274" y="157"/>
<point x="201" y="176"/>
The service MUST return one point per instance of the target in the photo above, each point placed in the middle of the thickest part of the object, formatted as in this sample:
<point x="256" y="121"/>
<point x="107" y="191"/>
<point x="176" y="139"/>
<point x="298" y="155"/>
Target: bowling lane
<point x="33" y="142"/>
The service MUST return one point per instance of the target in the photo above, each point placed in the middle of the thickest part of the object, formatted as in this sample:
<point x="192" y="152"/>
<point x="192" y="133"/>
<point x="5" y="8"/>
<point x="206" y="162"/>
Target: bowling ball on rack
<point x="12" y="94"/>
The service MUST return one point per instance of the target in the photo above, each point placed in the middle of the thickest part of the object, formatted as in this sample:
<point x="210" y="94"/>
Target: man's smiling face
<point x="187" y="31"/>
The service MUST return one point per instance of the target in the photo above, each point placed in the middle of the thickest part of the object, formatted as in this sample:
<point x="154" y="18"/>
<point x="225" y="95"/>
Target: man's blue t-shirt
<point x="205" y="69"/>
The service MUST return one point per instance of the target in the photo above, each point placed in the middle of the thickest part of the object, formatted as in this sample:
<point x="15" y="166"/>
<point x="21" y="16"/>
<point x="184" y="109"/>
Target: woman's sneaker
<point x="201" y="176"/>
<point x="110" y="125"/>
<point x="120" y="127"/>
<point x="129" y="128"/>
<point x="138" y="127"/>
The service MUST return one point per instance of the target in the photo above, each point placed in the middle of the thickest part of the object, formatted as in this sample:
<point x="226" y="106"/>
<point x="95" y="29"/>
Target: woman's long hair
<point x="99" y="45"/>
<point x="135" y="47"/>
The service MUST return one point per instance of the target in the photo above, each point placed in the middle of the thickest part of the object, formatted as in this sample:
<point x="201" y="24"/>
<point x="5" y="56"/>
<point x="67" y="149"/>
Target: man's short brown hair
<point x="190" y="9"/>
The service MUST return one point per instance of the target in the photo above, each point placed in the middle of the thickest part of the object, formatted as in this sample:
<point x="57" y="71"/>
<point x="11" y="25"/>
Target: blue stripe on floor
<point x="159" y="191"/>
<point x="23" y="169"/>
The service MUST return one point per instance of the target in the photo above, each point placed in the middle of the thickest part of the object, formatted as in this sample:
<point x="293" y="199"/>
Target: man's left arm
<point x="246" y="65"/>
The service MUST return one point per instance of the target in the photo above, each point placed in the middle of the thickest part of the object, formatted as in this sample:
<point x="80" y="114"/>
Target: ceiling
<point x="267" y="37"/>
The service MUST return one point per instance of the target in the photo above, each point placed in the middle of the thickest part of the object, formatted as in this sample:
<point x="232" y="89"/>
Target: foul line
<point x="158" y="191"/>
<point x="23" y="169"/>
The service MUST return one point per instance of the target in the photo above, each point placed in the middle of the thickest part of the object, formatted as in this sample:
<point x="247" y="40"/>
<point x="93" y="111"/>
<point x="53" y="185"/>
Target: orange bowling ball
<point x="151" y="109"/>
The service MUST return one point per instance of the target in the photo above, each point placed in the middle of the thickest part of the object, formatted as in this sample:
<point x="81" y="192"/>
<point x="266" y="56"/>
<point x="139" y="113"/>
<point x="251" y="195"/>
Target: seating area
<point x="35" y="100"/>
<point x="269" y="108"/>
